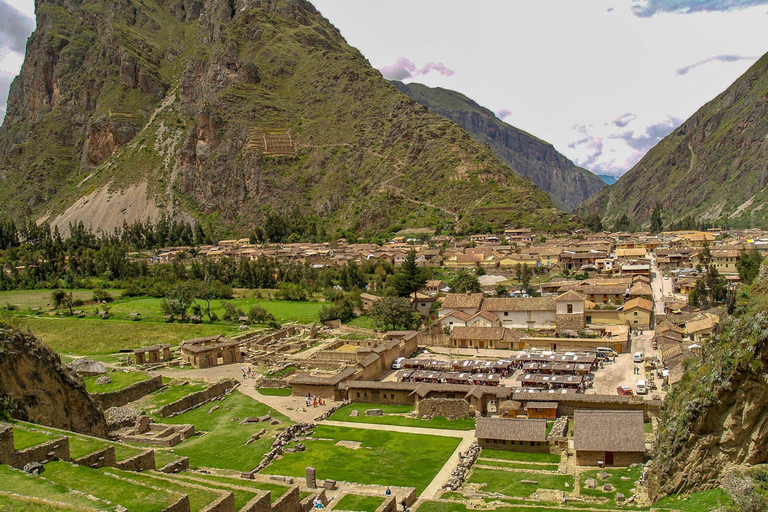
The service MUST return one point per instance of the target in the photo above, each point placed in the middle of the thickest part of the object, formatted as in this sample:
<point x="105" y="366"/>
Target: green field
<point x="357" y="503"/>
<point x="120" y="380"/>
<point x="28" y="299"/>
<point x="175" y="390"/>
<point x="508" y="482"/>
<point x="617" y="480"/>
<point x="223" y="445"/>
<point x="519" y="465"/>
<point x="274" y="391"/>
<point x="79" y="446"/>
<point x="391" y="417"/>
<point x="550" y="458"/>
<point x="385" y="458"/>
<point x="13" y="480"/>
<point x="223" y="482"/>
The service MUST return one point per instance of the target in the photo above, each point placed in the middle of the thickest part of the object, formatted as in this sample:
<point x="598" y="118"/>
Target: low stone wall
<point x="288" y="502"/>
<point x="265" y="382"/>
<point x="180" y="506"/>
<point x="52" y="450"/>
<point x="100" y="459"/>
<point x="261" y="503"/>
<point x="224" y="504"/>
<point x="141" y="462"/>
<point x="195" y="400"/>
<point x="389" y="505"/>
<point x="307" y="503"/>
<point x="444" y="407"/>
<point x="176" y="466"/>
<point x="128" y="394"/>
<point x="434" y="340"/>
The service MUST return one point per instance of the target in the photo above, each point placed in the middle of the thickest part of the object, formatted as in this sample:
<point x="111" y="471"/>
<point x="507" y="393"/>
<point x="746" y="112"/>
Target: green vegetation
<point x="518" y="465"/>
<point x="29" y="299"/>
<point x="27" y="438"/>
<point x="707" y="500"/>
<point x="621" y="480"/>
<point x="551" y="458"/>
<point x="175" y="390"/>
<point x="391" y="417"/>
<point x="79" y="445"/>
<point x="274" y="391"/>
<point x="509" y="482"/>
<point x="276" y="490"/>
<point x="120" y="380"/>
<point x="13" y="480"/>
<point x="385" y="458"/>
<point x="357" y="503"/>
<point x="198" y="497"/>
<point x="13" y="504"/>
<point x="223" y="445"/>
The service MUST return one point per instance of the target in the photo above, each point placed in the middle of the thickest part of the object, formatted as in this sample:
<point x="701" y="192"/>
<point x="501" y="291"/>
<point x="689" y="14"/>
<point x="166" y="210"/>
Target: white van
<point x="398" y="364"/>
<point x="641" y="388"/>
<point x="606" y="352"/>
<point x="638" y="357"/>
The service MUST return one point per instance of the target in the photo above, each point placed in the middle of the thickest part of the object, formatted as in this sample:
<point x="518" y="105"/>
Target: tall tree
<point x="410" y="278"/>
<point x="393" y="313"/>
<point x="656" y="222"/>
<point x="465" y="282"/>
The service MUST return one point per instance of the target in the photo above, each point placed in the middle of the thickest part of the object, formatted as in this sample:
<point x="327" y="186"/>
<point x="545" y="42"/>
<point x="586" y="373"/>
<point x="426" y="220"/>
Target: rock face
<point x="42" y="390"/>
<point x="715" y="417"/>
<point x="713" y="167"/>
<point x="567" y="185"/>
<point x="241" y="112"/>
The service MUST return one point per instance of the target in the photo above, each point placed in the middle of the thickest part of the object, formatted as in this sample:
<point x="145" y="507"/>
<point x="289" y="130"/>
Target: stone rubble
<point x="466" y="460"/>
<point x="283" y="439"/>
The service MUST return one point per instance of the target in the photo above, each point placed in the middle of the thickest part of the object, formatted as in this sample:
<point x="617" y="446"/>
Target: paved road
<point x="661" y="288"/>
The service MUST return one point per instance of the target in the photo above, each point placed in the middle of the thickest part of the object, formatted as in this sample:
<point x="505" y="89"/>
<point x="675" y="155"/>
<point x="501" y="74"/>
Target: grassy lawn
<point x="223" y="446"/>
<point x="134" y="497"/>
<point x="93" y="336"/>
<point x="357" y="503"/>
<point x="519" y="465"/>
<point x="648" y="427"/>
<point x="28" y="299"/>
<point x="550" y="458"/>
<point x="276" y="490"/>
<point x="274" y="391"/>
<point x="120" y="380"/>
<point x="707" y="500"/>
<point x="163" y="458"/>
<point x="174" y="390"/>
<point x="23" y="439"/>
<point x="13" y="480"/>
<point x="363" y="321"/>
<point x="618" y="484"/>
<point x="508" y="482"/>
<point x="390" y="417"/>
<point x="79" y="446"/>
<point x="11" y="504"/>
<point x="442" y="506"/>
<point x="198" y="498"/>
<point x="385" y="458"/>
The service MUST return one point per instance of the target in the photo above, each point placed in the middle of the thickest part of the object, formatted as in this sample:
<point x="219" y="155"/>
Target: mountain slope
<point x="713" y="167"/>
<point x="227" y="112"/>
<point x="567" y="184"/>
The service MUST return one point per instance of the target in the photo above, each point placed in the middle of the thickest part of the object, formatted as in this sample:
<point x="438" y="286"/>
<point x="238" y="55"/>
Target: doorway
<point x="609" y="458"/>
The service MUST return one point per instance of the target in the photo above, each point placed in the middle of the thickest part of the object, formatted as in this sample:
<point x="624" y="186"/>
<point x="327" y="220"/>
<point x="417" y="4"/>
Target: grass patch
<point x="509" y="482"/>
<point x="706" y="500"/>
<point x="28" y="299"/>
<point x="519" y="465"/>
<point x="648" y="427"/>
<point x="13" y="504"/>
<point x="363" y="321"/>
<point x="223" y="444"/>
<point x="163" y="458"/>
<point x="276" y="490"/>
<point x="385" y="458"/>
<point x="120" y="380"/>
<point x="198" y="498"/>
<point x="274" y="391"/>
<point x="357" y="503"/>
<point x="13" y="480"/>
<point x="621" y="480"/>
<point x="391" y="417"/>
<point x="175" y="390"/>
<point x="23" y="439"/>
<point x="79" y="446"/>
<point x="99" y="483"/>
<point x="550" y="458"/>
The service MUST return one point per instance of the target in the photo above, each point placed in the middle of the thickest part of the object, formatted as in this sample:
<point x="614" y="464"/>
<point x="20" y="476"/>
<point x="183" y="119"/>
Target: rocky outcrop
<point x="715" y="417"/>
<point x="567" y="185"/>
<point x="244" y="109"/>
<point x="42" y="390"/>
<point x="714" y="167"/>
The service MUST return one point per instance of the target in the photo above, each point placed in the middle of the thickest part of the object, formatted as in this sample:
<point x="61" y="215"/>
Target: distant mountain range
<point x="567" y="185"/>
<point x="608" y="178"/>
<point x="232" y="113"/>
<point x="713" y="168"/>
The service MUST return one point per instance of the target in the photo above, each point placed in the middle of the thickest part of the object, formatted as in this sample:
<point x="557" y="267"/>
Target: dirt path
<point x="400" y="428"/>
<point x="444" y="474"/>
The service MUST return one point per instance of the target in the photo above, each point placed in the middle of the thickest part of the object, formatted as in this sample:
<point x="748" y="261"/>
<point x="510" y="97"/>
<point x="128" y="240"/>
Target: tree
<point x="656" y="223"/>
<point x="623" y="223"/>
<point x="394" y="313"/>
<point x="593" y="222"/>
<point x="749" y="265"/>
<point x="178" y="300"/>
<point x="60" y="298"/>
<point x="501" y="290"/>
<point x="100" y="295"/>
<point x="525" y="277"/>
<point x="465" y="282"/>
<point x="715" y="285"/>
<point x="410" y="278"/>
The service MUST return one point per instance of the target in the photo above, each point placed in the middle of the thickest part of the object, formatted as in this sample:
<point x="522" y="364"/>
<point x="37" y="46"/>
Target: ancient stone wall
<point x="272" y="383"/>
<point x="261" y="503"/>
<point x="389" y="505"/>
<point x="100" y="459"/>
<point x="573" y="322"/>
<point x="444" y="407"/>
<point x="195" y="400"/>
<point x="141" y="462"/>
<point x="435" y="339"/>
<point x="226" y="503"/>
<point x="619" y="459"/>
<point x="288" y="502"/>
<point x="176" y="466"/>
<point x="307" y="503"/>
<point x="52" y="450"/>
<point x="128" y="394"/>
<point x="180" y="506"/>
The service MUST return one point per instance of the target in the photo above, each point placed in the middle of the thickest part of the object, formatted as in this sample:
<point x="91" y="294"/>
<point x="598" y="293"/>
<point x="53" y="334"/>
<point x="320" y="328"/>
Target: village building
<point x="468" y="303"/>
<point x="433" y="287"/>
<point x="523" y="312"/>
<point x="521" y="435"/>
<point x="211" y="351"/>
<point x="541" y="410"/>
<point x="699" y="329"/>
<point x="367" y="301"/>
<point x="638" y="313"/>
<point x="486" y="337"/>
<point x="422" y="303"/>
<point x="608" y="438"/>
<point x="570" y="313"/>
<point x="153" y="354"/>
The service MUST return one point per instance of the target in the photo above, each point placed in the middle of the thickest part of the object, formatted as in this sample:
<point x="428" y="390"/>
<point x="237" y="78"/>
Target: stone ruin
<point x="466" y="460"/>
<point x="299" y="430"/>
<point x="145" y="431"/>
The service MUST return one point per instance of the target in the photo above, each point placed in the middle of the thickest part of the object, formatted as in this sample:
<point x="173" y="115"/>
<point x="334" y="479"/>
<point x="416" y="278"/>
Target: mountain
<point x="714" y="167"/>
<point x="229" y="113"/>
<point x="608" y="178"/>
<point x="567" y="184"/>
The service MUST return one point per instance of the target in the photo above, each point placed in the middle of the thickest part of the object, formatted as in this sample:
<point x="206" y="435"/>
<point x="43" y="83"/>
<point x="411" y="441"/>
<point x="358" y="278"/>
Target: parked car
<point x="642" y="389"/>
<point x="638" y="357"/>
<point x="666" y="277"/>
<point x="398" y="364"/>
<point x="606" y="352"/>
<point x="624" y="390"/>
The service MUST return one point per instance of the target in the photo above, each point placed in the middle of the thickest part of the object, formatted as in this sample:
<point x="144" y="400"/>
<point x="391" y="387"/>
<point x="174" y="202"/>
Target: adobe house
<point x="153" y="354"/>
<point x="608" y="438"/>
<point x="637" y="313"/>
<point x="570" y="312"/>
<point x="520" y="435"/>
<point x="211" y="351"/>
<point x="542" y="410"/>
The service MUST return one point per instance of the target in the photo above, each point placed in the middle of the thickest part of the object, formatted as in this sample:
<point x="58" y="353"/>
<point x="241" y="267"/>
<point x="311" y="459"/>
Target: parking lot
<point x="620" y="372"/>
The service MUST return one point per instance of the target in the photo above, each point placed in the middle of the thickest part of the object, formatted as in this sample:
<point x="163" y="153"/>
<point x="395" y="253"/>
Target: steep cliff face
<point x="713" y="167"/>
<point x="715" y="417"/>
<point x="229" y="111"/>
<point x="42" y="390"/>
<point x="567" y="185"/>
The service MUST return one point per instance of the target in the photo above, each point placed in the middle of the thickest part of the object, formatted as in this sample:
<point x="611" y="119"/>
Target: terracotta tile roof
<point x="511" y="429"/>
<point x="640" y="289"/>
<point x="457" y="314"/>
<point x="477" y="333"/>
<point x="487" y="315"/>
<point x="638" y="303"/>
<point x="570" y="295"/>
<point x="608" y="431"/>
<point x="462" y="300"/>
<point x="519" y="304"/>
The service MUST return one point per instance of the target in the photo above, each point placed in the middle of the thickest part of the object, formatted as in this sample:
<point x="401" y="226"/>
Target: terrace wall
<point x="288" y="502"/>
<point x="180" y="506"/>
<point x="444" y="407"/>
<point x="620" y="459"/>
<point x="389" y="505"/>
<point x="141" y="462"/>
<point x="225" y="503"/>
<point x="195" y="400"/>
<point x="127" y="394"/>
<point x="100" y="459"/>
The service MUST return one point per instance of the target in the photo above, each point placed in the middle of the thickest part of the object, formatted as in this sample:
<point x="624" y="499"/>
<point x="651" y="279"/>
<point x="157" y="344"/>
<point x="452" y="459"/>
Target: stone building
<point x="211" y="351"/>
<point x="520" y="435"/>
<point x="153" y="354"/>
<point x="608" y="438"/>
<point x="570" y="309"/>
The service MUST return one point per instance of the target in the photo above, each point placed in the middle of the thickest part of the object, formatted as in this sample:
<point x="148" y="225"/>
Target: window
<point x="393" y="396"/>
<point x="506" y="313"/>
<point x="358" y="395"/>
<point x="635" y="313"/>
<point x="570" y="309"/>
<point x="533" y="444"/>
<point x="503" y="441"/>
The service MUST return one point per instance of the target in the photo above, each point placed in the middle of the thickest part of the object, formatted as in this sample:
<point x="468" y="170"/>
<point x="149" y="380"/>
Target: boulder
<point x="34" y="468"/>
<point x="620" y="497"/>
<point x="103" y="380"/>
<point x="374" y="412"/>
<point x="87" y="367"/>
<point x="354" y="414"/>
<point x="591" y="483"/>
<point x="212" y="409"/>
<point x="607" y="487"/>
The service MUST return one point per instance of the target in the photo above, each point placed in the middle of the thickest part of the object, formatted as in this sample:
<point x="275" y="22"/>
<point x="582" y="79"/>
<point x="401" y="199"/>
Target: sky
<point x="602" y="80"/>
